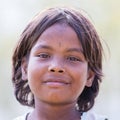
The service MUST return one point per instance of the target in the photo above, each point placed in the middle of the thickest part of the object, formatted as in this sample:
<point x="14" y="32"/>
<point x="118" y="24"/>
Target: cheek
<point x="80" y="72"/>
<point x="79" y="79"/>
<point x="35" y="68"/>
<point x="35" y="73"/>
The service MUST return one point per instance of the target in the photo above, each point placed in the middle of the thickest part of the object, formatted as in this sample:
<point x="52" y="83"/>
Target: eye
<point x="73" y="59"/>
<point x="43" y="55"/>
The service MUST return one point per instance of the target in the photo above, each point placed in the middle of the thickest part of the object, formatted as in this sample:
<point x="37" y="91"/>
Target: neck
<point x="44" y="111"/>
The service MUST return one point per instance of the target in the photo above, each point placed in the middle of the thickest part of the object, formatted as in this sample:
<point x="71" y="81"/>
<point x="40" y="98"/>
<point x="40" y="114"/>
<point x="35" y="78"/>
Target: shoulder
<point x="90" y="115"/>
<point x="22" y="117"/>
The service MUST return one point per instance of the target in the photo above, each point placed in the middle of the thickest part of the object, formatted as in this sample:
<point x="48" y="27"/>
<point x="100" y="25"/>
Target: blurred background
<point x="105" y="15"/>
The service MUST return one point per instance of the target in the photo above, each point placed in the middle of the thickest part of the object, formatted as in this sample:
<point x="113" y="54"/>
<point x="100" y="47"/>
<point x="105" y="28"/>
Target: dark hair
<point x="92" y="50"/>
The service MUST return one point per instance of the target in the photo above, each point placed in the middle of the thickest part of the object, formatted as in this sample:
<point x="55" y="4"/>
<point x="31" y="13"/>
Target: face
<point x="57" y="71"/>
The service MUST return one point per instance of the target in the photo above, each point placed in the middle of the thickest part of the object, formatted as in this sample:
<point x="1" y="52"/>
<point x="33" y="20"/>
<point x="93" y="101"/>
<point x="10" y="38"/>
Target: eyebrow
<point x="43" y="47"/>
<point x="79" y="50"/>
<point x="75" y="50"/>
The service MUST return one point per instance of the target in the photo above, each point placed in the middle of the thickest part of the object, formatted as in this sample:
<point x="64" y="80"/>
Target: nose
<point x="56" y="66"/>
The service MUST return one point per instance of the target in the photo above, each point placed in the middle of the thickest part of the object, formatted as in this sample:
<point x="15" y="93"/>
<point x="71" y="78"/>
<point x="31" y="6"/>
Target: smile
<point x="56" y="83"/>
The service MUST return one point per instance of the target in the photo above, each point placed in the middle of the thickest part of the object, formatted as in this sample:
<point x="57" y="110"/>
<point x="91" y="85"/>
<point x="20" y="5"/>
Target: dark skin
<point x="47" y="112"/>
<point x="57" y="73"/>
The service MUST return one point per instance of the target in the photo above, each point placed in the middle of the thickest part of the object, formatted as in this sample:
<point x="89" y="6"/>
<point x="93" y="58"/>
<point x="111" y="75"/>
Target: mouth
<point x="58" y="82"/>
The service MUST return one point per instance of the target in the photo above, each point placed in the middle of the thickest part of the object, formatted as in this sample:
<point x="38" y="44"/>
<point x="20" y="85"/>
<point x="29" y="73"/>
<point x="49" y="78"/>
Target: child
<point x="57" y="66"/>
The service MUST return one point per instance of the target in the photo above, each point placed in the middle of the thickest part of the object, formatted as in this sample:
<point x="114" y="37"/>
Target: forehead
<point x="60" y="35"/>
<point x="58" y="38"/>
<point x="58" y="29"/>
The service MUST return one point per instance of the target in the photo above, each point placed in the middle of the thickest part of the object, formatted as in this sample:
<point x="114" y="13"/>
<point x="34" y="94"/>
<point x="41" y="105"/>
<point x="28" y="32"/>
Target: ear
<point x="24" y="66"/>
<point x="90" y="78"/>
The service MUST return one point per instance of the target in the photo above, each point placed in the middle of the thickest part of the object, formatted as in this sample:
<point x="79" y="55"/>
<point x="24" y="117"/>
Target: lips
<point x="56" y="82"/>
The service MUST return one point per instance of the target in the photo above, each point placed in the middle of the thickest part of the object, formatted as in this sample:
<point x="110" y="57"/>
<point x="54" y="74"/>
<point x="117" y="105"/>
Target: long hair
<point x="88" y="37"/>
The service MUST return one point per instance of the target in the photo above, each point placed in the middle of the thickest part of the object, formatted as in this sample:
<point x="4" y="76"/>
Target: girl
<point x="57" y="66"/>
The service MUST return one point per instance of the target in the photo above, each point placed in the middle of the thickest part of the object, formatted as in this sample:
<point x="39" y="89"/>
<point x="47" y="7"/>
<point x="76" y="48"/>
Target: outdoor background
<point x="105" y="15"/>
